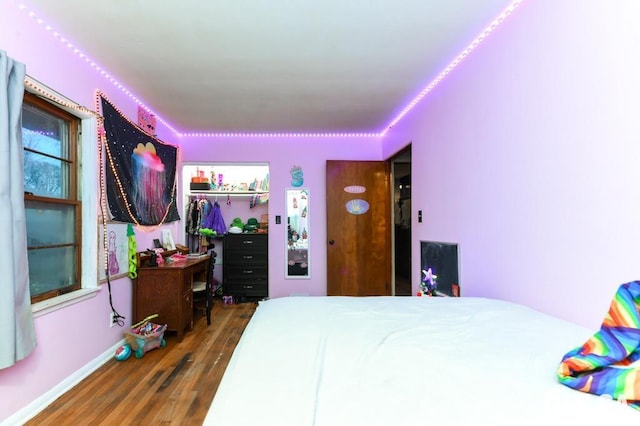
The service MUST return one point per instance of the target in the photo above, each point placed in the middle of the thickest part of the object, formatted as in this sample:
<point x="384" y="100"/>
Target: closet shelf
<point x="230" y="193"/>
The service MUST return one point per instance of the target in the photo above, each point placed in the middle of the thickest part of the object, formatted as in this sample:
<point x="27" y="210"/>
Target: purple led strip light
<point x="415" y="101"/>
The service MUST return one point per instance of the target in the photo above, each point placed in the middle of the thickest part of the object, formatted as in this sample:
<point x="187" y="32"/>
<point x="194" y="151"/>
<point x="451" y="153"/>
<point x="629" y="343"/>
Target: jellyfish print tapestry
<point x="140" y="172"/>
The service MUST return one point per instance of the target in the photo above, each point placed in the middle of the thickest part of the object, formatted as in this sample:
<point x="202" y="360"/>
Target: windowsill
<point x="46" y="306"/>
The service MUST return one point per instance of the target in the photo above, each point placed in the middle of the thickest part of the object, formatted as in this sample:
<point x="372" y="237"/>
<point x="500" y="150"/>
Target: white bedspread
<point x="330" y="361"/>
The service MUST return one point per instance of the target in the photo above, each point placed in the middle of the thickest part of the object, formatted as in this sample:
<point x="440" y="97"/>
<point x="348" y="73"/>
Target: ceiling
<point x="272" y="66"/>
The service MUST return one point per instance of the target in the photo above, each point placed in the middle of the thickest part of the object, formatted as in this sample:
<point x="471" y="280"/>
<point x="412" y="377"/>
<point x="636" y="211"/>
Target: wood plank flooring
<point x="173" y="385"/>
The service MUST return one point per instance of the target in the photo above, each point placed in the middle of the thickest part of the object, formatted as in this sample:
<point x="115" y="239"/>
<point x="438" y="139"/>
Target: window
<point x="50" y="137"/>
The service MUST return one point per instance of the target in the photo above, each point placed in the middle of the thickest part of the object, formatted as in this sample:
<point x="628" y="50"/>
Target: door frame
<point x="401" y="156"/>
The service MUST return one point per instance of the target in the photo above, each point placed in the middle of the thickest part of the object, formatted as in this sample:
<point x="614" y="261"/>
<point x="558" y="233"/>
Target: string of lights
<point x="412" y="104"/>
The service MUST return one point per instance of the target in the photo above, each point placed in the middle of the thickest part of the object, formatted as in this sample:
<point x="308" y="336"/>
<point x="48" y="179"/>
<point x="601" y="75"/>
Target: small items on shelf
<point x="218" y="178"/>
<point x="144" y="258"/>
<point x="199" y="181"/>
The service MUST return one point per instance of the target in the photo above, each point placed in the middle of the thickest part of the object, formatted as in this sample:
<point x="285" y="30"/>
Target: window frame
<point x="71" y="199"/>
<point x="88" y="194"/>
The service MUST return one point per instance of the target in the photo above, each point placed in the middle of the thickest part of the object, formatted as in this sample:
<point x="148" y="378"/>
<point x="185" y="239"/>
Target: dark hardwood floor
<point x="173" y="385"/>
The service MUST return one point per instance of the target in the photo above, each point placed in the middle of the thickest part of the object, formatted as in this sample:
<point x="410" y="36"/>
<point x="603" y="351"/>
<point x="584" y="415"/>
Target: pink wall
<point x="526" y="155"/>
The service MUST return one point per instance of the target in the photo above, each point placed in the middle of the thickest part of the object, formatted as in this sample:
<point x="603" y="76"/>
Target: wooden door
<point x="358" y="228"/>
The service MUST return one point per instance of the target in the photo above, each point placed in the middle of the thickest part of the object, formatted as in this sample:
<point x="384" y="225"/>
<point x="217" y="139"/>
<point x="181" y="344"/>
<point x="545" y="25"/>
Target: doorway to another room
<point x="401" y="176"/>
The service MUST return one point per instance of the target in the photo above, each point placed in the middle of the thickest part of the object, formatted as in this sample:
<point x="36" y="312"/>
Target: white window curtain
<point x="17" y="330"/>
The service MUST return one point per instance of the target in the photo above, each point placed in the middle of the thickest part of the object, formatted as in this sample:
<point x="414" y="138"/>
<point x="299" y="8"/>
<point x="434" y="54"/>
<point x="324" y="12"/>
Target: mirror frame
<point x="293" y="269"/>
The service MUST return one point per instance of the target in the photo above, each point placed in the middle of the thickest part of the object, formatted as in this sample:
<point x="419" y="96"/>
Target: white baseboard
<point x="37" y="405"/>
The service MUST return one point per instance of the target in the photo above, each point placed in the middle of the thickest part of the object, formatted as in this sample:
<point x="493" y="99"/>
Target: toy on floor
<point x="123" y="352"/>
<point x="143" y="337"/>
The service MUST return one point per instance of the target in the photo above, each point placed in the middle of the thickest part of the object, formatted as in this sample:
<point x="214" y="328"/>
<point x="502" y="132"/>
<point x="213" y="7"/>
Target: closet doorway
<point x="401" y="178"/>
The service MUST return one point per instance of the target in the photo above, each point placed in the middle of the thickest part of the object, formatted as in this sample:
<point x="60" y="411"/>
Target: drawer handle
<point x="247" y="242"/>
<point x="248" y="286"/>
<point x="247" y="257"/>
<point x="247" y="271"/>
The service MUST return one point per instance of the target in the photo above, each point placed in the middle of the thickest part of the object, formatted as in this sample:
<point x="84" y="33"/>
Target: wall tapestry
<point x="140" y="172"/>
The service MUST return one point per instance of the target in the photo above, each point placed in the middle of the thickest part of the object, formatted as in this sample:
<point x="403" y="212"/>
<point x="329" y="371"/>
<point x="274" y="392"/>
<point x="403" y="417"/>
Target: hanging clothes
<point x="215" y="221"/>
<point x="197" y="212"/>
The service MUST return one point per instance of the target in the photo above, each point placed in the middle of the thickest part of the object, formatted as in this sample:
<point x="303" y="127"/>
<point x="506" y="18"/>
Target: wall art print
<point x="140" y="173"/>
<point x="297" y="176"/>
<point x="146" y="121"/>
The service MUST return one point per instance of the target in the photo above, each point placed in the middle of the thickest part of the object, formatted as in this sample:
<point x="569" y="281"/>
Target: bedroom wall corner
<point x="525" y="156"/>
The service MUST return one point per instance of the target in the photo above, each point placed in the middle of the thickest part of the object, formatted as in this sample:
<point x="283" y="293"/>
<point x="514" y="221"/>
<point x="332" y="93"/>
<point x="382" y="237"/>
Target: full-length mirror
<point x="298" y="233"/>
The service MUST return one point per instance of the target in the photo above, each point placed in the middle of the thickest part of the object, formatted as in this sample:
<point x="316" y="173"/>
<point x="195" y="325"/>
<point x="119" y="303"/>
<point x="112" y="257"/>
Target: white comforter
<point x="331" y="361"/>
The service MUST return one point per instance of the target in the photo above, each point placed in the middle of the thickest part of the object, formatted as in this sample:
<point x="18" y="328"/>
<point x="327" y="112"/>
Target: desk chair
<point x="202" y="290"/>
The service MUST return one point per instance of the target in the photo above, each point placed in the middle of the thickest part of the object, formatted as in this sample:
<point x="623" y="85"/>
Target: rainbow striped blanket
<point x="606" y="363"/>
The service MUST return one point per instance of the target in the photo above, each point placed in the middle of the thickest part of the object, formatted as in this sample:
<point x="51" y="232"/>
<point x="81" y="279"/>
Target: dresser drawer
<point x="246" y="257"/>
<point x="248" y="289"/>
<point x="251" y="242"/>
<point x="249" y="272"/>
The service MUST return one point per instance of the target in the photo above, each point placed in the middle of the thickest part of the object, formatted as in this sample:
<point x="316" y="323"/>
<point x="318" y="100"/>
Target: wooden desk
<point x="167" y="290"/>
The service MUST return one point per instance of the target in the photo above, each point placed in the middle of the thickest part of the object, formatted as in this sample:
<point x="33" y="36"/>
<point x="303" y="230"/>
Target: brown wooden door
<point x="358" y="228"/>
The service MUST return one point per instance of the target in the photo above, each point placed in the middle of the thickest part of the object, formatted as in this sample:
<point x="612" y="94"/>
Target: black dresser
<point x="245" y="267"/>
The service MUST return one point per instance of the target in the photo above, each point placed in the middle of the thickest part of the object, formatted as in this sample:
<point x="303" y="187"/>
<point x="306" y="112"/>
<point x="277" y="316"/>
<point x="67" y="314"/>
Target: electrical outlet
<point x="112" y="319"/>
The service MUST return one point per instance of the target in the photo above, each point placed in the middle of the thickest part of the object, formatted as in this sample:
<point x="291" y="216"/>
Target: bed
<point x="329" y="361"/>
